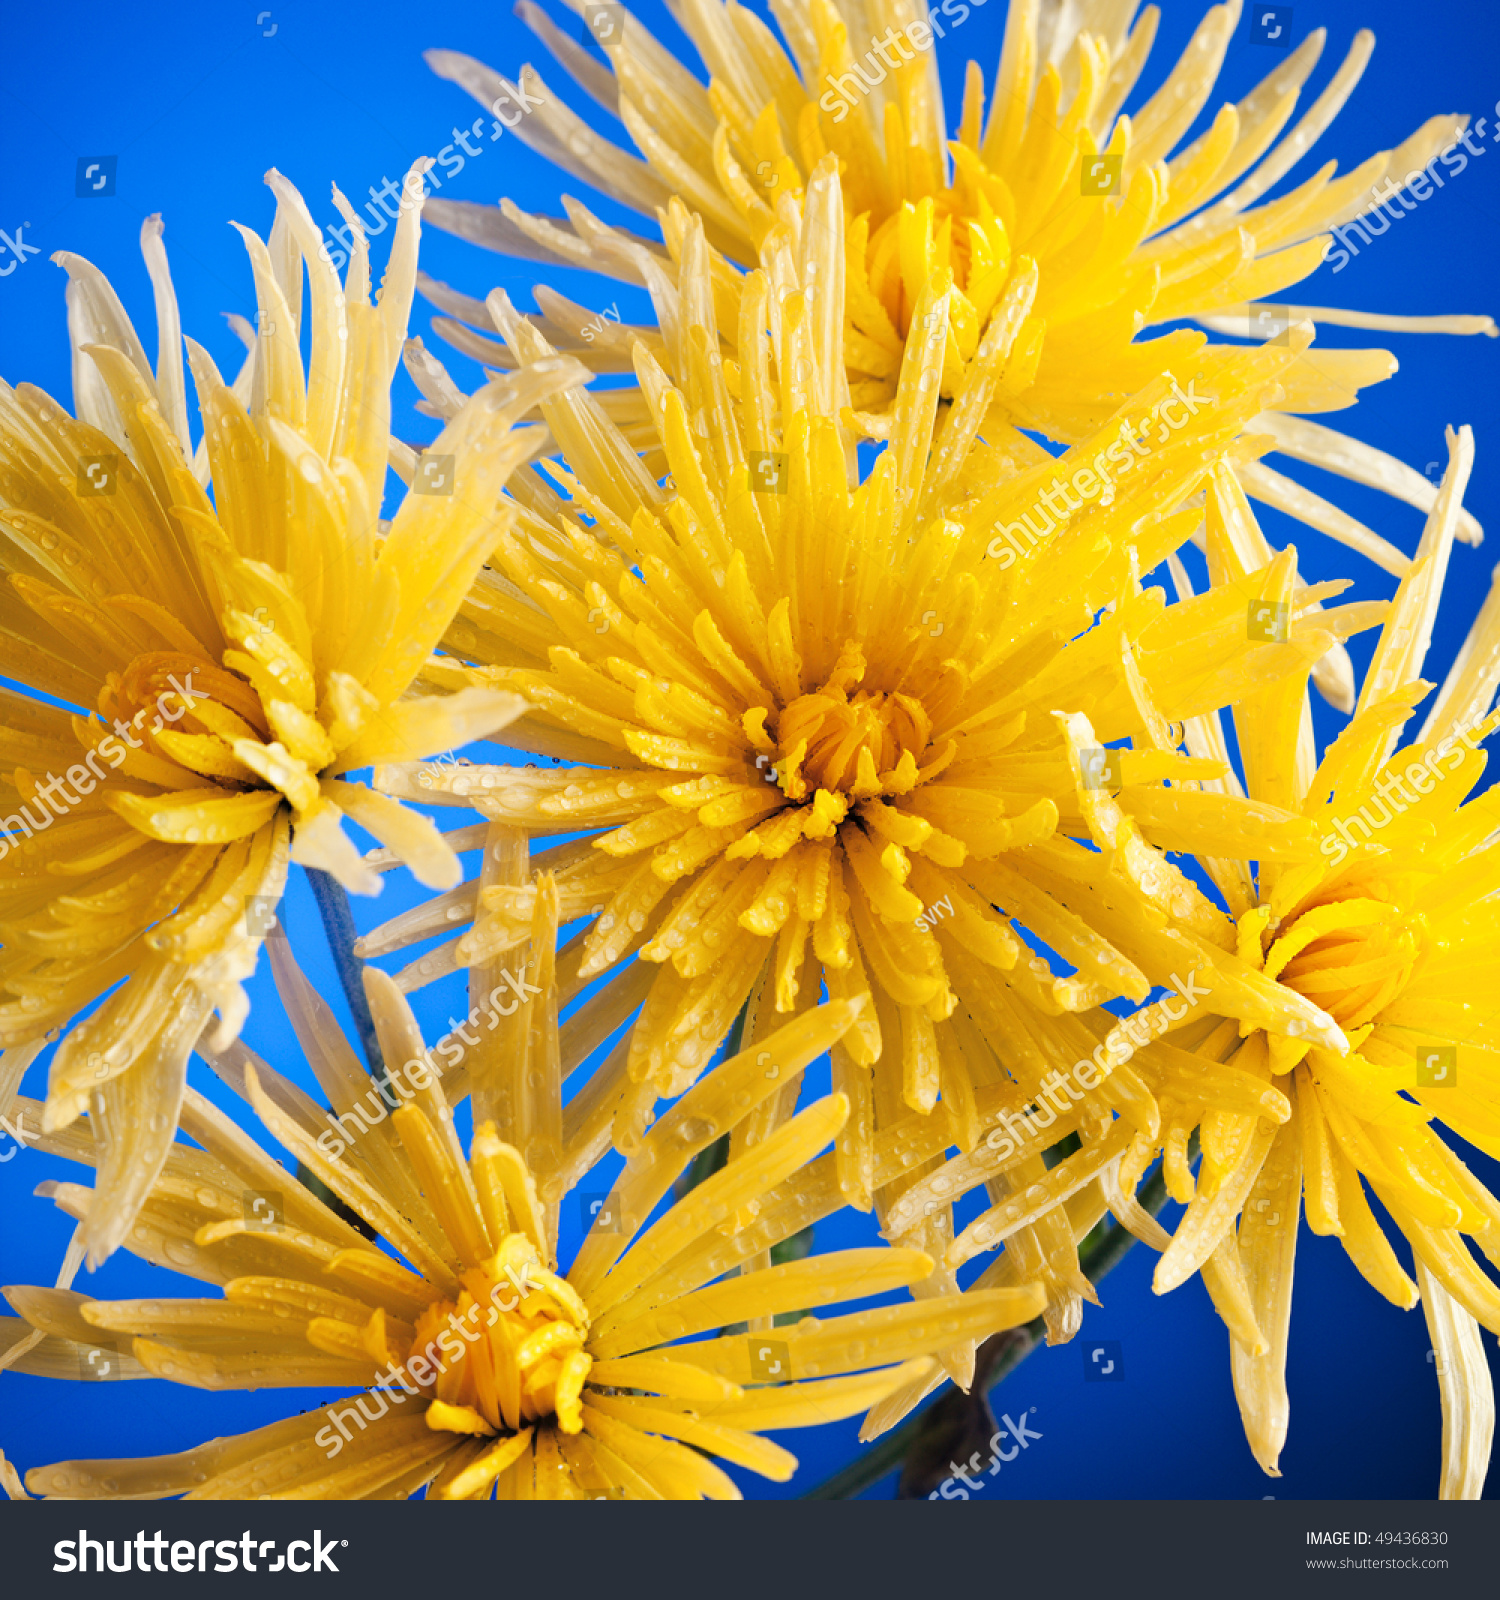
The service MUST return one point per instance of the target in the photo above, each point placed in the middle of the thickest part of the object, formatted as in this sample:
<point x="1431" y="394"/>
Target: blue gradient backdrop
<point x="195" y="102"/>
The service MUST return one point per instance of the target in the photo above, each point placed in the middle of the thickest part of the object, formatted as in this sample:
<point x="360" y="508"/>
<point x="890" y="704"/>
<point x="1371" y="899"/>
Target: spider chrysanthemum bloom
<point x="232" y="639"/>
<point x="1390" y="931"/>
<point x="487" y="1371"/>
<point x="1079" y="221"/>
<point x="815" y="722"/>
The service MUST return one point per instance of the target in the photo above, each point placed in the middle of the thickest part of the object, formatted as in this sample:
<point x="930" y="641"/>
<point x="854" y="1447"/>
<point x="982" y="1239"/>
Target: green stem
<point x="338" y="924"/>
<point x="994" y="1359"/>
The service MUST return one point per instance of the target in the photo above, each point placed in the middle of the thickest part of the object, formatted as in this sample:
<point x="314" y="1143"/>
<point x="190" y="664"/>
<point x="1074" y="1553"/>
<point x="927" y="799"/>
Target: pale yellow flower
<point x="238" y="636"/>
<point x="813" y="734"/>
<point x="1389" y="932"/>
<point x="1393" y="931"/>
<point x="488" y="1371"/>
<point x="1080" y="222"/>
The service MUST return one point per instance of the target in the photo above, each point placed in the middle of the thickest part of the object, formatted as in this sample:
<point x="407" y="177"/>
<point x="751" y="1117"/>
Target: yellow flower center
<point x="858" y="746"/>
<point x="1351" y="954"/>
<point x="507" y="1353"/>
<point x="177" y="694"/>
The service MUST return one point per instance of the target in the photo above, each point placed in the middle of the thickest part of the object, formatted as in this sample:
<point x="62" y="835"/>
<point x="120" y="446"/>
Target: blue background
<point x="195" y="102"/>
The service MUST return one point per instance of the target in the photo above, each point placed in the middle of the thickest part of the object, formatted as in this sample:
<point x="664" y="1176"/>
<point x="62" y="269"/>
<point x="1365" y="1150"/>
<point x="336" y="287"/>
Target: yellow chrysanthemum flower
<point x="488" y="1372"/>
<point x="819" y="726"/>
<point x="1389" y="931"/>
<point x="1077" y="222"/>
<point x="227" y="661"/>
<point x="1367" y="1033"/>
